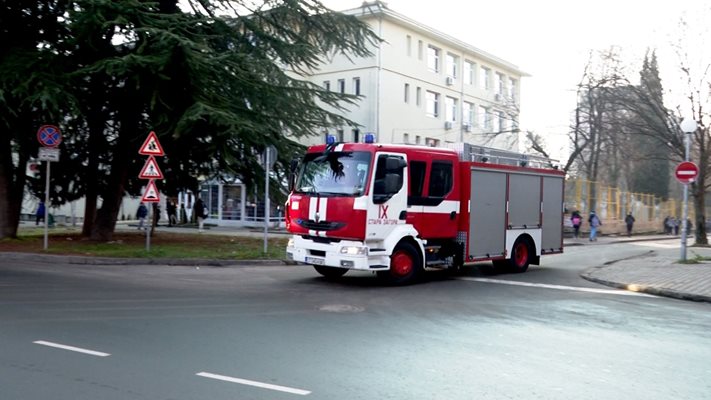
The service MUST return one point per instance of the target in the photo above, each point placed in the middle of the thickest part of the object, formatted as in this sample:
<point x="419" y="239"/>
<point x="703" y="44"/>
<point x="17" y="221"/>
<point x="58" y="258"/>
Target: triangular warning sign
<point x="151" y="147"/>
<point x="151" y="193"/>
<point x="150" y="170"/>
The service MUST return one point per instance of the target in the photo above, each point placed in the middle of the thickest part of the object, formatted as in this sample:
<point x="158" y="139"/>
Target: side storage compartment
<point x="552" y="241"/>
<point x="487" y="213"/>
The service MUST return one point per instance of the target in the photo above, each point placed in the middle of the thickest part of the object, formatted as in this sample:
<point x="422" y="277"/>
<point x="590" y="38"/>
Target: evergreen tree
<point x="652" y="170"/>
<point x="218" y="82"/>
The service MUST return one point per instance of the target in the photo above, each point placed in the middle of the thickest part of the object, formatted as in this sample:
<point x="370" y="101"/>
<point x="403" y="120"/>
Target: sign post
<point x="270" y="156"/>
<point x="151" y="147"/>
<point x="50" y="137"/>
<point x="686" y="172"/>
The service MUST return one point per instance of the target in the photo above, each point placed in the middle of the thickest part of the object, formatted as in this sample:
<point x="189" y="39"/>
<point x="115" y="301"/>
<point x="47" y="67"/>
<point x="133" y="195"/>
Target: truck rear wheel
<point x="520" y="256"/>
<point x="405" y="265"/>
<point x="330" y="272"/>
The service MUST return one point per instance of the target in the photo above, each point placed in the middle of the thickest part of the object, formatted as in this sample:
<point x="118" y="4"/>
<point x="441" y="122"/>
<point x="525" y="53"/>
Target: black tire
<point x="521" y="255"/>
<point x="330" y="272"/>
<point x="405" y="265"/>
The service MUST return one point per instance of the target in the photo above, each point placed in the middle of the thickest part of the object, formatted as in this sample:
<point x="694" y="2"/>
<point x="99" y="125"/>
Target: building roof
<point x="380" y="9"/>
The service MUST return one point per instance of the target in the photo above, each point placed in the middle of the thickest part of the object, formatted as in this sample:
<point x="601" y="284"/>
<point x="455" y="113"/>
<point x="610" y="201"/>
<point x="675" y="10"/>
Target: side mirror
<point x="395" y="163"/>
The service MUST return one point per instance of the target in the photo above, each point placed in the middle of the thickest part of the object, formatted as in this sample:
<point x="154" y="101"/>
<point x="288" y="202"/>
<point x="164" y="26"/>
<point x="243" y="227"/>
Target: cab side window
<point x="417" y="177"/>
<point x="441" y="179"/>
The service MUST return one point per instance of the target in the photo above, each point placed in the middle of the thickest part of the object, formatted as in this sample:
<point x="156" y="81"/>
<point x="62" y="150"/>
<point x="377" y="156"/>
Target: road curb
<point x="654" y="290"/>
<point x="88" y="260"/>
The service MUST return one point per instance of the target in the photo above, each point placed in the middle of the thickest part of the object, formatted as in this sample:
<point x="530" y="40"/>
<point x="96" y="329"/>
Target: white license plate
<point x="315" y="261"/>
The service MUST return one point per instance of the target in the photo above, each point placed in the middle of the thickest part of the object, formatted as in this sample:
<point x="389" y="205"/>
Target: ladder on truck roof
<point x="470" y="152"/>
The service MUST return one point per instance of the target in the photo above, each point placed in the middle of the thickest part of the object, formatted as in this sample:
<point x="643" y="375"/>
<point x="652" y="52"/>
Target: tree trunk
<point x="12" y="186"/>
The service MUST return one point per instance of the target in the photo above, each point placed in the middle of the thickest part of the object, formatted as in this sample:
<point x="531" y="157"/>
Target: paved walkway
<point x="657" y="271"/>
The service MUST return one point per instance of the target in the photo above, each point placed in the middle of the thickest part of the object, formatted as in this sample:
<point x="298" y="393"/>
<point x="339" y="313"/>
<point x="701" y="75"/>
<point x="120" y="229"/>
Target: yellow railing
<point x="612" y="205"/>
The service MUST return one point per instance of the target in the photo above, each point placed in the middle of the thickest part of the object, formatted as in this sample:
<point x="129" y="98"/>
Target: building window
<point x="406" y="138"/>
<point x="451" y="109"/>
<point x="432" y="142"/>
<point x="512" y="88"/>
<point x="485" y="78"/>
<point x="419" y="49"/>
<point x="432" y="104"/>
<point x="417" y="139"/>
<point x="356" y="86"/>
<point x="327" y="85"/>
<point x="502" y="121"/>
<point x="356" y="135"/>
<point x="495" y="122"/>
<point x="433" y="59"/>
<point x="407" y="93"/>
<point x="500" y="84"/>
<point x="341" y="85"/>
<point x="467" y="113"/>
<point x="468" y="72"/>
<point x="452" y="63"/>
<point x="484" y="118"/>
<point x="409" y="45"/>
<point x="418" y="97"/>
<point x="339" y="132"/>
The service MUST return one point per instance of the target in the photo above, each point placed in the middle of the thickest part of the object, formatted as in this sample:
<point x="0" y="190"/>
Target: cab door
<point x="387" y="201"/>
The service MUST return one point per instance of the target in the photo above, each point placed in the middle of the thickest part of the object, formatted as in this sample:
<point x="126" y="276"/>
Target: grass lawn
<point x="133" y="244"/>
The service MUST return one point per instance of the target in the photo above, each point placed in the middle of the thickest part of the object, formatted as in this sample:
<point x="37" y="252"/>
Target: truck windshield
<point x="341" y="173"/>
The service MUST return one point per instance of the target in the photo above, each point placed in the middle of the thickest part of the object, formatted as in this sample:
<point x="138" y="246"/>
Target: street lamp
<point x="688" y="126"/>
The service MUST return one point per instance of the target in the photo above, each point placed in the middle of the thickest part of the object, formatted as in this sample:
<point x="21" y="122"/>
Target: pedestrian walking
<point x="172" y="213"/>
<point x="576" y="220"/>
<point x="629" y="221"/>
<point x="675" y="225"/>
<point x="595" y="222"/>
<point x="40" y="213"/>
<point x="142" y="214"/>
<point x="200" y="213"/>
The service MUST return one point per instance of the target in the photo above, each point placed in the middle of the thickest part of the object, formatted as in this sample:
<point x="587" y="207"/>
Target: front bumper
<point x="308" y="251"/>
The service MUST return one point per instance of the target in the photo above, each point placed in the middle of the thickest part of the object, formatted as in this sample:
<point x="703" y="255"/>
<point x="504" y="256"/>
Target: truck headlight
<point x="354" y="250"/>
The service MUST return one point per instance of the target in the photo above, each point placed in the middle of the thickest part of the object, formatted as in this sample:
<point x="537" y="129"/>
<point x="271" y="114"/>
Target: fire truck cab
<point x="399" y="209"/>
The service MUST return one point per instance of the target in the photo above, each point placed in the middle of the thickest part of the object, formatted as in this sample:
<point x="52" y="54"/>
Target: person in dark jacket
<point x="141" y="214"/>
<point x="200" y="213"/>
<point x="629" y="221"/>
<point x="40" y="213"/>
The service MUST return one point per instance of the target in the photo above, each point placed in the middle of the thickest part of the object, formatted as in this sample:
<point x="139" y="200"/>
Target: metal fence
<point x="612" y="205"/>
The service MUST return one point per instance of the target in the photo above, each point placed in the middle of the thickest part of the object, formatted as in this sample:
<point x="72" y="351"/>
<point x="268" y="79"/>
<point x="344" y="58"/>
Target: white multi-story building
<point x="422" y="86"/>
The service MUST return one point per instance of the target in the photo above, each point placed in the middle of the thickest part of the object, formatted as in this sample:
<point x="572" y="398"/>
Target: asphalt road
<point x="158" y="332"/>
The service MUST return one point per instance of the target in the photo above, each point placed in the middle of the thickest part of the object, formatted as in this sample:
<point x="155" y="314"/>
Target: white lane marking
<point x="559" y="287"/>
<point x="72" y="348"/>
<point x="254" y="383"/>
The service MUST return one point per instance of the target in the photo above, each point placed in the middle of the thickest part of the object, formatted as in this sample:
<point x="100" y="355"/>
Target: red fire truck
<point x="400" y="209"/>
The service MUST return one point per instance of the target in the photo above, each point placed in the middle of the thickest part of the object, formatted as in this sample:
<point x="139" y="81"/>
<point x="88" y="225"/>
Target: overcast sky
<point x="551" y="40"/>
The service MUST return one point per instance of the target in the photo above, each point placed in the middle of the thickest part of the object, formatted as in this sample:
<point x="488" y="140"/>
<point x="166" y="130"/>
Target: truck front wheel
<point x="520" y="256"/>
<point x="405" y="265"/>
<point x="330" y="272"/>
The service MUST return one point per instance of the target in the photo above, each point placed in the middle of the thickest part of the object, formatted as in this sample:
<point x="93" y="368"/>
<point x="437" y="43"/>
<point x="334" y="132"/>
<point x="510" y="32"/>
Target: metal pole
<point x="46" y="207"/>
<point x="149" y="217"/>
<point x="266" y="197"/>
<point x="685" y="206"/>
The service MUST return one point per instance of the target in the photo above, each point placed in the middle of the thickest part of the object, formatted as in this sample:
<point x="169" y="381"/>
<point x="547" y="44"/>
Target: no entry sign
<point x="686" y="172"/>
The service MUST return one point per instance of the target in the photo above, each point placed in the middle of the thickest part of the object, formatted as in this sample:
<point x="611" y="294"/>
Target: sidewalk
<point x="657" y="271"/>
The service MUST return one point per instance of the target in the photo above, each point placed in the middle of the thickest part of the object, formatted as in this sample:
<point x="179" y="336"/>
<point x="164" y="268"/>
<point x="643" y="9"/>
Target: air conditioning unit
<point x="467" y="127"/>
<point x="450" y="81"/>
<point x="448" y="125"/>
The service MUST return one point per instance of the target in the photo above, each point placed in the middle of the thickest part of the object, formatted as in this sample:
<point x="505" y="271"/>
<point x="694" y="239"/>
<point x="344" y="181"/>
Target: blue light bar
<point x="370" y="137"/>
<point x="330" y="139"/>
